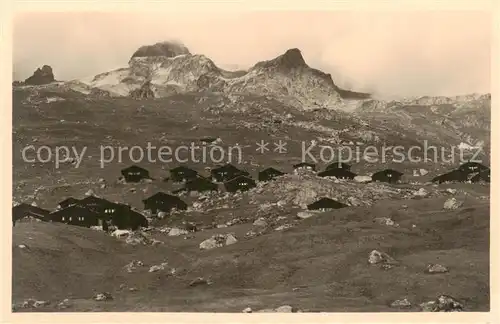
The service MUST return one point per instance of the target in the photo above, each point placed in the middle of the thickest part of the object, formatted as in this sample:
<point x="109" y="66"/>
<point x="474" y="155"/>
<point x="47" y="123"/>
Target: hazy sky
<point x="392" y="53"/>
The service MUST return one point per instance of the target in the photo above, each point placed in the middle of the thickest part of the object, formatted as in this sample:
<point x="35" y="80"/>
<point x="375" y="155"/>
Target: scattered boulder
<point x="304" y="214"/>
<point x="452" y="204"/>
<point x="230" y="239"/>
<point x="281" y="203"/>
<point x="41" y="76"/>
<point x="451" y="191"/>
<point x="251" y="234"/>
<point x="156" y="268"/>
<point x="401" y="303"/>
<point x="443" y="303"/>
<point x="165" y="229"/>
<point x="133" y="265"/>
<point x="247" y="310"/>
<point x="136" y="238"/>
<point x="32" y="303"/>
<point x="363" y="179"/>
<point x="162" y="214"/>
<point x="419" y="172"/>
<point x="283" y="227"/>
<point x="200" y="281"/>
<point x="280" y="309"/>
<point x="177" y="232"/>
<point x="284" y="309"/>
<point x="353" y="201"/>
<point x="64" y="304"/>
<point x="377" y="257"/>
<point x="120" y="233"/>
<point x="436" y="268"/>
<point x="218" y="240"/>
<point x="99" y="93"/>
<point x="190" y="227"/>
<point x="385" y="221"/>
<point x="155" y="242"/>
<point x="421" y="193"/>
<point x="236" y="221"/>
<point x="260" y="222"/>
<point x="103" y="296"/>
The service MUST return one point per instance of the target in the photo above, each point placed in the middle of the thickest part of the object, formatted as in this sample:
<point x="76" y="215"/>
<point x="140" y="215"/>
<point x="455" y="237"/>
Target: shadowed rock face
<point x="143" y="92"/>
<point x="168" y="49"/>
<point x="292" y="58"/>
<point x="41" y="76"/>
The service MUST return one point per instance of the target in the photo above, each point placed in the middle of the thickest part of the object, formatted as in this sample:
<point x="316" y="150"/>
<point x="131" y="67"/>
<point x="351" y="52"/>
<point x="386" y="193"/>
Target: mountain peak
<point x="166" y="48"/>
<point x="42" y="75"/>
<point x="291" y="59"/>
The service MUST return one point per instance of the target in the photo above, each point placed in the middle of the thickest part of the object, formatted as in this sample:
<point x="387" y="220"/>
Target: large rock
<point x="401" y="303"/>
<point x="443" y="303"/>
<point x="133" y="265"/>
<point x="156" y="268"/>
<point x="452" y="204"/>
<point x="280" y="309"/>
<point x="103" y="296"/>
<point x="218" y="240"/>
<point x="436" y="268"/>
<point x="421" y="193"/>
<point x="138" y="238"/>
<point x="177" y="231"/>
<point x="377" y="257"/>
<point x="363" y="179"/>
<point x="304" y="214"/>
<point x="41" y="76"/>
<point x="260" y="222"/>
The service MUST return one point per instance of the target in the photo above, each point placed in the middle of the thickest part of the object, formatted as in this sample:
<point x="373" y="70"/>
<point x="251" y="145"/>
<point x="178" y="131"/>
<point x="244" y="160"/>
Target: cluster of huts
<point x="94" y="211"/>
<point x="87" y="212"/>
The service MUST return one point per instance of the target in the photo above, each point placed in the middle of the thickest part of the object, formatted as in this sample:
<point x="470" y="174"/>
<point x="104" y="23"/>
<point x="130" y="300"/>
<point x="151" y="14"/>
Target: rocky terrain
<point x="413" y="246"/>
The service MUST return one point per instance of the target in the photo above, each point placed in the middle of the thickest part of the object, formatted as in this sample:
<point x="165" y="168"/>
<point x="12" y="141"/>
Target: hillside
<point x="319" y="265"/>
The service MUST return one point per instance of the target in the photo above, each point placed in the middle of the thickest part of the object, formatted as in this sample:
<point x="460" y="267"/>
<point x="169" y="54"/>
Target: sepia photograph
<point x="251" y="161"/>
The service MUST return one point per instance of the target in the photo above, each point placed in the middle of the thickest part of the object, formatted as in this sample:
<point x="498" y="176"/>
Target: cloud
<point x="392" y="53"/>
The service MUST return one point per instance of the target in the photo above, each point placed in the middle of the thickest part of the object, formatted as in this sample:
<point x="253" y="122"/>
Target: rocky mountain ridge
<point x="40" y="76"/>
<point x="164" y="69"/>
<point x="167" y="68"/>
<point x="171" y="70"/>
